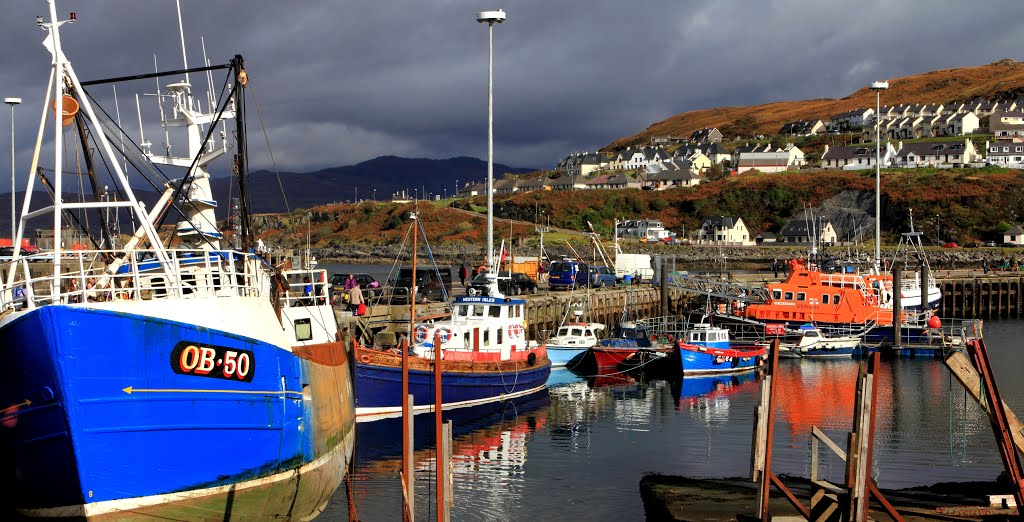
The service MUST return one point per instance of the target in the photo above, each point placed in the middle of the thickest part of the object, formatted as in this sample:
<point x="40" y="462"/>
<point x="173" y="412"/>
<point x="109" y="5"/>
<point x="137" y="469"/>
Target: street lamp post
<point x="12" y="102"/>
<point x="490" y="18"/>
<point x="456" y="193"/>
<point x="878" y="87"/>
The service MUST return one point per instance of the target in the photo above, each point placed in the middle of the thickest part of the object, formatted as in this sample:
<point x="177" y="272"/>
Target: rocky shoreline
<point x="697" y="257"/>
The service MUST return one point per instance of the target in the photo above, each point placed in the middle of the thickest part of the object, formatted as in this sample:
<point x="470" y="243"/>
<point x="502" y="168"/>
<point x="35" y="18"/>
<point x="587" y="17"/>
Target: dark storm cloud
<point x="342" y="82"/>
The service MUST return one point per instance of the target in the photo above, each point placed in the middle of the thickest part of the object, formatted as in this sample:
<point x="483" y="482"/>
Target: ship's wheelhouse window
<point x="577" y="331"/>
<point x="478" y="310"/>
<point x="494" y="311"/>
<point x="801" y="296"/>
<point x="303" y="329"/>
<point x="587" y="332"/>
<point x="776" y="294"/>
<point x="487" y="337"/>
<point x="500" y="335"/>
<point x="463" y="311"/>
<point x="835" y="299"/>
<point x="824" y="299"/>
<point x="789" y="296"/>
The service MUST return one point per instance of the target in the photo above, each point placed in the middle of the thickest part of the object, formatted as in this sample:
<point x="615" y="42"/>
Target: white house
<point x="800" y="229"/>
<point x="854" y="157"/>
<point x="724" y="230"/>
<point x="935" y="154"/>
<point x="1014" y="236"/>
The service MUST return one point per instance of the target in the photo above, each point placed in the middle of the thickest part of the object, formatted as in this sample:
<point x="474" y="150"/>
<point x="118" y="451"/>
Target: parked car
<point x="990" y="243"/>
<point x="568" y="273"/>
<point x="365" y="281"/>
<point x="602" y="276"/>
<point x="951" y="244"/>
<point x="518" y="283"/>
<point x="369" y="286"/>
<point x="429" y="286"/>
<point x="971" y="245"/>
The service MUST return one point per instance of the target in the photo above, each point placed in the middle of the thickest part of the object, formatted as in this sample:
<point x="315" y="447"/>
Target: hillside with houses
<point x="951" y="150"/>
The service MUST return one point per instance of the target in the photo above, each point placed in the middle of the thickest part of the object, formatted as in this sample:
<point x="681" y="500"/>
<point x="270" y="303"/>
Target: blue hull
<point x="701" y="385"/>
<point x="110" y="419"/>
<point x="697" y="362"/>
<point x="562" y="356"/>
<point x="379" y="388"/>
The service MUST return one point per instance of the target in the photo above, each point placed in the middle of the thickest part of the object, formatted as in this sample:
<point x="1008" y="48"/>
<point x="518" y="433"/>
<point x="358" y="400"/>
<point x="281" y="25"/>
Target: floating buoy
<point x="69" y="108"/>
<point x="934" y="322"/>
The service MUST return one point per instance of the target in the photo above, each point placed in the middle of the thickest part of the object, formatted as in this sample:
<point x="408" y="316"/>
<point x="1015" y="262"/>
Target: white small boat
<point x="571" y="340"/>
<point x="811" y="342"/>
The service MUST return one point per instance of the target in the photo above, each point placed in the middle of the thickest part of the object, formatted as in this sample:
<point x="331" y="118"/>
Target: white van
<point x="638" y="266"/>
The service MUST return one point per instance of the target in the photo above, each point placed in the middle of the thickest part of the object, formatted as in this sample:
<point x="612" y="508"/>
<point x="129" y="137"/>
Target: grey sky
<point x="342" y="82"/>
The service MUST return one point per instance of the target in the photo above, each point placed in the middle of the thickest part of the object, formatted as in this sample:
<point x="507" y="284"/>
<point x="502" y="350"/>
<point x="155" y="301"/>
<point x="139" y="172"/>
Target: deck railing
<point x="114" y="275"/>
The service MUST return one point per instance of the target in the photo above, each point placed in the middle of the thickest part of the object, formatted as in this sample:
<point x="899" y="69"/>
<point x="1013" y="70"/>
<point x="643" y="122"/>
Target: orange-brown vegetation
<point x="972" y="204"/>
<point x="1000" y="80"/>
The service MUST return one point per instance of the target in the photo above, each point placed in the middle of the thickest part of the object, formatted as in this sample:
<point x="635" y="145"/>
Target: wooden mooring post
<point x="849" y="503"/>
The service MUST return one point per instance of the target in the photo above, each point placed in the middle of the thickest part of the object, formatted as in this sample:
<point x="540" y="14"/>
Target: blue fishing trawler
<point x="707" y="349"/>
<point x="143" y="381"/>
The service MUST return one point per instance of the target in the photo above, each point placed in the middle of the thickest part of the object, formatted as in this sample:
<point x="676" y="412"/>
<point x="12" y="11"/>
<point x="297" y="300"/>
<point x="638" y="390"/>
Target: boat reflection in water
<point x="487" y="441"/>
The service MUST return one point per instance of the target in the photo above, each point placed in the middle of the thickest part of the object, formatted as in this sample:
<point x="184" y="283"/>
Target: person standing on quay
<point x="355" y="298"/>
<point x="463" y="273"/>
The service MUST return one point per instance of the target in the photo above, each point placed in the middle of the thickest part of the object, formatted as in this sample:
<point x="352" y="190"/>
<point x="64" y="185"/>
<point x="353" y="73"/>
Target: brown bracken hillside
<point x="1001" y="80"/>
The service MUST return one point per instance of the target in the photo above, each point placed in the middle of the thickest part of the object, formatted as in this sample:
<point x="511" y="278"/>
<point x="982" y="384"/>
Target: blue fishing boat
<point x="485" y="357"/>
<point x="707" y="349"/>
<point x="141" y="381"/>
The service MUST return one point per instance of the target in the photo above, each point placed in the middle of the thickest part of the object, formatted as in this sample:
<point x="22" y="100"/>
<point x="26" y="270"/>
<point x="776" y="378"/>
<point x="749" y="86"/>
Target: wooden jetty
<point x="544" y="311"/>
<point x="982" y="296"/>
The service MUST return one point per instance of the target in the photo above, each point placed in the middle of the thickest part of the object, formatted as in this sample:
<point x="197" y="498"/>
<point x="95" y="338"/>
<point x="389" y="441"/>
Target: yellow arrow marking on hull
<point x="15" y="407"/>
<point x="129" y="390"/>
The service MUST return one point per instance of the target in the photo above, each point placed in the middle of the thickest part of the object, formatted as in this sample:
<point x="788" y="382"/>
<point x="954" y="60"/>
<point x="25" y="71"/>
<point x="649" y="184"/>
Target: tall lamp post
<point x="490" y="18"/>
<point x="878" y="87"/>
<point x="12" y="102"/>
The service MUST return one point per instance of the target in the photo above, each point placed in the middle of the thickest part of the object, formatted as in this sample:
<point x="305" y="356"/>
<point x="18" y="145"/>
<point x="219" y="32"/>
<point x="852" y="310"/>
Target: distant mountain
<point x="386" y="174"/>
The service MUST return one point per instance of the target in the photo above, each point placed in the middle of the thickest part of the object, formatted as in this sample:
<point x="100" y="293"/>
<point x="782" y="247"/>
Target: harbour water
<point x="579" y="450"/>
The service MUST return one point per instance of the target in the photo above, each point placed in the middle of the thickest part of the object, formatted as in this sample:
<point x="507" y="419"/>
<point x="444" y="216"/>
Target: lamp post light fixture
<point x="490" y="18"/>
<point x="878" y="87"/>
<point x="12" y="102"/>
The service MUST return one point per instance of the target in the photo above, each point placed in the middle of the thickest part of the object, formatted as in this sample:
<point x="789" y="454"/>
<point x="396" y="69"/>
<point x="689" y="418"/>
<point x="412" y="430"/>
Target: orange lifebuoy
<point x="365" y="358"/>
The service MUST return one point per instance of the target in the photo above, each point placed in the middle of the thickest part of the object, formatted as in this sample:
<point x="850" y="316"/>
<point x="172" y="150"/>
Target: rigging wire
<point x="109" y="126"/>
<point x="273" y="161"/>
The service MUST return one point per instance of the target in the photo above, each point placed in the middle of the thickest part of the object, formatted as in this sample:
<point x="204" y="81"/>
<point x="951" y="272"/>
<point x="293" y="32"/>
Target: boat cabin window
<point x="586" y="332"/>
<point x="698" y="337"/>
<point x="487" y="337"/>
<point x="776" y="294"/>
<point x="824" y="298"/>
<point x="577" y="331"/>
<point x="789" y="296"/>
<point x="494" y="311"/>
<point x="303" y="329"/>
<point x="499" y="337"/>
<point x="478" y="310"/>
<point x="518" y="311"/>
<point x="810" y="333"/>
<point x="835" y="299"/>
<point x="463" y="311"/>
<point x="801" y="296"/>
